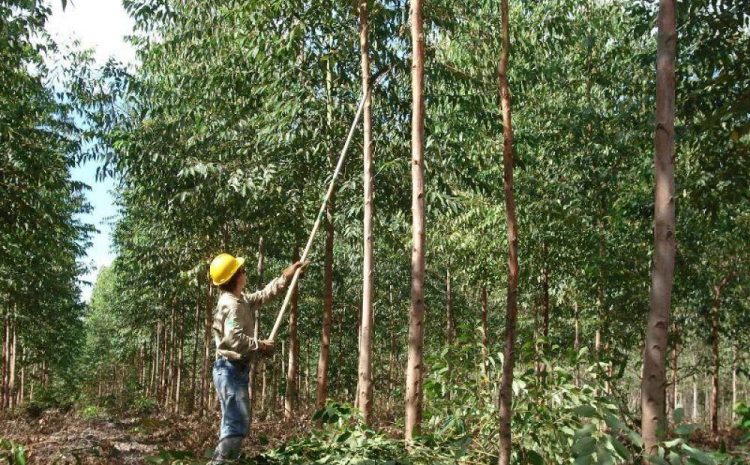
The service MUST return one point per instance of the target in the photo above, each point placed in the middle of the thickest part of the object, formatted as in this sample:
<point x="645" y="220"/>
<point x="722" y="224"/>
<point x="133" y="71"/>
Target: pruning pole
<point x="318" y="220"/>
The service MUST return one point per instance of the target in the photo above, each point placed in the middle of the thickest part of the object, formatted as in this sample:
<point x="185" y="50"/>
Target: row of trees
<point x="41" y="235"/>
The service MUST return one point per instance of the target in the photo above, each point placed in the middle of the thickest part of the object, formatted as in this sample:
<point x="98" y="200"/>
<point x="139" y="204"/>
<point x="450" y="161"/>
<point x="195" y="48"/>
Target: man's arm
<point x="275" y="287"/>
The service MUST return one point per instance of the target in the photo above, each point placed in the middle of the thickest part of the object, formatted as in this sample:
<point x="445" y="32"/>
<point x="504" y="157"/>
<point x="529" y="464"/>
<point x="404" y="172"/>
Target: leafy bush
<point x="92" y="412"/>
<point x="345" y="439"/>
<point x="743" y="415"/>
<point x="12" y="453"/>
<point x="143" y="405"/>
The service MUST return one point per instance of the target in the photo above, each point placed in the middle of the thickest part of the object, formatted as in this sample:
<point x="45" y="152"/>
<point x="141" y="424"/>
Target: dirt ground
<point x="64" y="438"/>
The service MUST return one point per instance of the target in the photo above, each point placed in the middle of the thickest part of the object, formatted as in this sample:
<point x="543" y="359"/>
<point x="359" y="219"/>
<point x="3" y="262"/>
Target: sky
<point x="100" y="25"/>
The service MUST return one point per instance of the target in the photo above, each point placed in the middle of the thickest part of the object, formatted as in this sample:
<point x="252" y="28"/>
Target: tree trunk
<point x="253" y="375"/>
<point x="674" y="374"/>
<point x="734" y="383"/>
<point x="577" y="340"/>
<point x="282" y="375"/>
<point x="206" y="375"/>
<point x="368" y="274"/>
<point x="154" y="360"/>
<point x="715" y="337"/>
<point x="6" y="358"/>
<point x="511" y="311"/>
<point x="450" y="330"/>
<point x="12" y="376"/>
<point x="545" y="296"/>
<point x="292" y="389"/>
<point x="694" y="418"/>
<point x="194" y="371"/>
<point x="415" y="366"/>
<point x="180" y="355"/>
<point x="321" y="392"/>
<point x="485" y="352"/>
<point x="653" y="385"/>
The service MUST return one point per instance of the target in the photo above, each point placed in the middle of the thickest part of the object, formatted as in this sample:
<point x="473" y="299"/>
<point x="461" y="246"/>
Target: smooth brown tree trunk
<point x="716" y="362"/>
<point x="734" y="383"/>
<point x="511" y="311"/>
<point x="12" y="375"/>
<point x="450" y="330"/>
<point x="364" y="396"/>
<point x="485" y="352"/>
<point x="196" y="339"/>
<point x="6" y="359"/>
<point x="292" y="387"/>
<point x="653" y="386"/>
<point x="180" y="357"/>
<point x="415" y="364"/>
<point x="321" y="392"/>
<point x="674" y="376"/>
<point x="694" y="417"/>
<point x="256" y="364"/>
<point x="577" y="340"/>
<point x="206" y="374"/>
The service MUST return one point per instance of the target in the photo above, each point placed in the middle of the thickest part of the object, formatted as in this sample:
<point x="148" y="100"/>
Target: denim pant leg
<point x="231" y="384"/>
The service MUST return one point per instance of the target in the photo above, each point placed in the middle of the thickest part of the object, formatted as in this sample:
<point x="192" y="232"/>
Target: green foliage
<point x="12" y="453"/>
<point x="344" y="439"/>
<point x="91" y="412"/>
<point x="743" y="415"/>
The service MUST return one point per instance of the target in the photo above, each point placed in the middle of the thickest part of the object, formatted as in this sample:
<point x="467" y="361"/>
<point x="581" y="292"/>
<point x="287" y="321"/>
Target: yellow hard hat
<point x="223" y="267"/>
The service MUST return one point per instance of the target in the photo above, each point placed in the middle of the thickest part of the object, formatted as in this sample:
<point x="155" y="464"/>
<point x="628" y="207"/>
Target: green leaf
<point x="698" y="455"/>
<point x="534" y="457"/>
<point x="613" y="422"/>
<point x="584" y="446"/>
<point x="620" y="448"/>
<point x="603" y="457"/>
<point x="587" y="411"/>
<point x="673" y="443"/>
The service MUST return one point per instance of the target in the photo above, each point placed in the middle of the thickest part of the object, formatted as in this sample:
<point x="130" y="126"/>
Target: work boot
<point x="227" y="451"/>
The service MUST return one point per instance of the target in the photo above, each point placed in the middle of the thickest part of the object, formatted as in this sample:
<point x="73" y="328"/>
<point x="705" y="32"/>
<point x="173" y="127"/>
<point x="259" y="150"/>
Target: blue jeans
<point x="231" y="381"/>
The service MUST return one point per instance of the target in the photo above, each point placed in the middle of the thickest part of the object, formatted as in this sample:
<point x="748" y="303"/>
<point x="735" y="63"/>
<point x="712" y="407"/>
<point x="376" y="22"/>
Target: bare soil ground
<point x="66" y="438"/>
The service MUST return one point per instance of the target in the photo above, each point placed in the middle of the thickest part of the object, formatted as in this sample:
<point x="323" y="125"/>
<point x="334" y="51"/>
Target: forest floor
<point x="63" y="438"/>
<point x="70" y="438"/>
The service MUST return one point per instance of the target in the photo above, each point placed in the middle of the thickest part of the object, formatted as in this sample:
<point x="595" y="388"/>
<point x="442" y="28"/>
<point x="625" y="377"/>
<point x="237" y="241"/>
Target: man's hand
<point x="266" y="347"/>
<point x="291" y="269"/>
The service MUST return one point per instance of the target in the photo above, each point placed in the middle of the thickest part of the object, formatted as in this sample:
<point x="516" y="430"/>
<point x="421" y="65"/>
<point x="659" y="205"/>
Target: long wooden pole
<point x="321" y="212"/>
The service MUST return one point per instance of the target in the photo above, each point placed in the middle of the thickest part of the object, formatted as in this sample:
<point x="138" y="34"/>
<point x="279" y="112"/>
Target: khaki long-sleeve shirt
<point x="234" y="320"/>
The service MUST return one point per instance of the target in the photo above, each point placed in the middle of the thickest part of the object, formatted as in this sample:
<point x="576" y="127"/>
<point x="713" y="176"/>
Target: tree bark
<point x="415" y="364"/>
<point x="450" y="330"/>
<point x="653" y="425"/>
<point x="253" y="375"/>
<point x="715" y="339"/>
<point x="511" y="311"/>
<point x="12" y="375"/>
<point x="194" y="371"/>
<point x="292" y="388"/>
<point x="675" y="350"/>
<point x="206" y="377"/>
<point x="734" y="383"/>
<point x="321" y="392"/>
<point x="6" y="358"/>
<point x="577" y="340"/>
<point x="694" y="417"/>
<point x="485" y="353"/>
<point x="368" y="273"/>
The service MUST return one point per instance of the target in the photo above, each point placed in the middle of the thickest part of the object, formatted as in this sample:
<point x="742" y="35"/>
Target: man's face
<point x="242" y="280"/>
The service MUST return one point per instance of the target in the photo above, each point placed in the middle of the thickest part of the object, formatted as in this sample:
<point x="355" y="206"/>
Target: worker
<point x="236" y="346"/>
